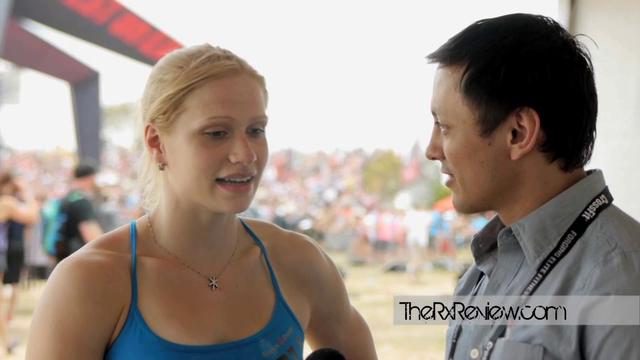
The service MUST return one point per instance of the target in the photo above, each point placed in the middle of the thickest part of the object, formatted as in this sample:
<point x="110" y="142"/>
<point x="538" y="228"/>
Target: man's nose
<point x="434" y="149"/>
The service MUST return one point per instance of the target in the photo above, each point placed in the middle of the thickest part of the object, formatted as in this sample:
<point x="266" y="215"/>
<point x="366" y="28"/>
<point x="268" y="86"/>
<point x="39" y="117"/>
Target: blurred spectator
<point x="418" y="224"/>
<point x="37" y="261"/>
<point x="80" y="223"/>
<point x="18" y="209"/>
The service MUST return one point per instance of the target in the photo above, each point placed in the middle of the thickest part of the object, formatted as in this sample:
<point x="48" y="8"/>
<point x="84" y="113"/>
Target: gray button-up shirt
<point x="604" y="261"/>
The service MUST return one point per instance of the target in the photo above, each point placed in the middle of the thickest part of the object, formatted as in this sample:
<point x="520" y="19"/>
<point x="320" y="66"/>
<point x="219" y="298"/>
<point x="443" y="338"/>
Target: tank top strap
<point x="258" y="242"/>
<point x="134" y="281"/>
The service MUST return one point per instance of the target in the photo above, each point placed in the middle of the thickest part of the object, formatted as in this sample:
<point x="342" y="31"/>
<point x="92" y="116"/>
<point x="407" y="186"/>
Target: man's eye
<point x="442" y="127"/>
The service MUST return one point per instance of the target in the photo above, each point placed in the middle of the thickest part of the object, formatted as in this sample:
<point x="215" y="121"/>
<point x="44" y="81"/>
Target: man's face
<point x="94" y="183"/>
<point x="477" y="167"/>
<point x="88" y="183"/>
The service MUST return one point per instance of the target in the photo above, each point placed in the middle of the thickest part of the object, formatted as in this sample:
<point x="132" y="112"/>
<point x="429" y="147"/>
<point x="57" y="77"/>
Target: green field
<point x="372" y="290"/>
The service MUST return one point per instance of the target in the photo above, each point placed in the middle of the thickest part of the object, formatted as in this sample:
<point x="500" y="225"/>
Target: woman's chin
<point x="230" y="207"/>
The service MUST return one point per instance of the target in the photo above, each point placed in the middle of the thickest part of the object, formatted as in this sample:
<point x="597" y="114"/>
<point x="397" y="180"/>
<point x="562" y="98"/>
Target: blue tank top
<point x="281" y="339"/>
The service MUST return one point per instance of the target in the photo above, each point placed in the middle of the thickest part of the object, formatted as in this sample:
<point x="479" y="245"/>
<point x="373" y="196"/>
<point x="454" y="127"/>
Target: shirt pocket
<point x="513" y="350"/>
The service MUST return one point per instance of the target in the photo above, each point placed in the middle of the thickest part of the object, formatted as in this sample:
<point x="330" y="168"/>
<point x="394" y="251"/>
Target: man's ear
<point x="153" y="142"/>
<point x="524" y="132"/>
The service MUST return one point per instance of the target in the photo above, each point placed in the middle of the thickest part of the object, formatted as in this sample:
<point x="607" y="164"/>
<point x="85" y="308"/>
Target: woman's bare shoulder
<point x="297" y="254"/>
<point x="100" y="264"/>
<point x="109" y="252"/>
<point x="115" y="241"/>
<point x="84" y="298"/>
<point x="278" y="239"/>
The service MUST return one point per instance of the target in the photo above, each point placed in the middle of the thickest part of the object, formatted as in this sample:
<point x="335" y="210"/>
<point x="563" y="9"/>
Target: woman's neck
<point x="195" y="236"/>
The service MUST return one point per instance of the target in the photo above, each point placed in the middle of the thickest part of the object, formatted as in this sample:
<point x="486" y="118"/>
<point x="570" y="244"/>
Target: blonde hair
<point x="172" y="79"/>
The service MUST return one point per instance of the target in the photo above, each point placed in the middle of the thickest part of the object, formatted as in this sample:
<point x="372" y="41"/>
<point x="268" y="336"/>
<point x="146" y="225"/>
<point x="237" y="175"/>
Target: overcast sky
<point x="341" y="74"/>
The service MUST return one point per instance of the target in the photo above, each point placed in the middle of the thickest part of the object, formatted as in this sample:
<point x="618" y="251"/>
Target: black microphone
<point x="325" y="354"/>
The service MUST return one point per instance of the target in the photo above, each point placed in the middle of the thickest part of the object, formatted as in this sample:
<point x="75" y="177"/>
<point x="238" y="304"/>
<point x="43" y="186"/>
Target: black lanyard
<point x="568" y="240"/>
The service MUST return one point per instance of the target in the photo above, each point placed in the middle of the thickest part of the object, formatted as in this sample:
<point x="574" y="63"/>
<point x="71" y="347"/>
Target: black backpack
<point x="68" y="240"/>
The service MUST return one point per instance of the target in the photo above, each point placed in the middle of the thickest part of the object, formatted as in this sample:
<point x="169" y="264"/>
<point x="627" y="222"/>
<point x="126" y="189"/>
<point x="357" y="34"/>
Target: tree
<point x="382" y="174"/>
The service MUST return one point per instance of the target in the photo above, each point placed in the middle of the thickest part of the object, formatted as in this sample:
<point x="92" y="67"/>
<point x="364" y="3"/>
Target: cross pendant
<point x="213" y="283"/>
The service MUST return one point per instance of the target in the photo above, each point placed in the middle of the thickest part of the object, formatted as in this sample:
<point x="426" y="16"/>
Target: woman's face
<point x="216" y="150"/>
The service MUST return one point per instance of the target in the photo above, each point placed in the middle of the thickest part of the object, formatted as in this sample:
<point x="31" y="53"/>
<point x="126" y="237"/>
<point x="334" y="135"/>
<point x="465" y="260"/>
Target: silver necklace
<point x="213" y="280"/>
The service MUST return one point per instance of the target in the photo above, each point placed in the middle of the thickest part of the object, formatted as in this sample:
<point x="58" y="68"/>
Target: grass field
<point x="371" y="291"/>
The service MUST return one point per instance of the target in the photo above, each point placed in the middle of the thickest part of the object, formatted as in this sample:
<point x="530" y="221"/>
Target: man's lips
<point x="450" y="178"/>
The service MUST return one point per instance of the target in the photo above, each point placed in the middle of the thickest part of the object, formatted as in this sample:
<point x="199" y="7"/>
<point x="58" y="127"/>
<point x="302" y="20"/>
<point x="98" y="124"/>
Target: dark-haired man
<point x="80" y="224"/>
<point x="514" y="107"/>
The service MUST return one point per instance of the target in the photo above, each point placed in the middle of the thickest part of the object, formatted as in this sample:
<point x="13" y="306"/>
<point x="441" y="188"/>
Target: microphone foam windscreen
<point x="325" y="354"/>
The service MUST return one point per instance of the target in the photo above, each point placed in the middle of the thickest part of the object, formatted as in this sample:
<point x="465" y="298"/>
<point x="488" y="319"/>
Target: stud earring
<point x="162" y="166"/>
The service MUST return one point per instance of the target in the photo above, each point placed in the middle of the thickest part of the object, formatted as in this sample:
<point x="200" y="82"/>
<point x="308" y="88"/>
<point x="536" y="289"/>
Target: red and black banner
<point x="106" y="23"/>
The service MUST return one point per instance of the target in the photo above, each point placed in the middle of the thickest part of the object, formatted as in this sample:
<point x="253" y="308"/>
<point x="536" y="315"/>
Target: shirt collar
<point x="485" y="242"/>
<point x="539" y="231"/>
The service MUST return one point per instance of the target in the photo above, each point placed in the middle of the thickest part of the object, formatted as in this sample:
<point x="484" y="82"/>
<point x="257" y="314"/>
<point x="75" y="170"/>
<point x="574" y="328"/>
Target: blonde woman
<point x="192" y="280"/>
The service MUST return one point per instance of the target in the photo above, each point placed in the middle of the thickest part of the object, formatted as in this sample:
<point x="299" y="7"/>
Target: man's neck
<point x="80" y="187"/>
<point x="534" y="192"/>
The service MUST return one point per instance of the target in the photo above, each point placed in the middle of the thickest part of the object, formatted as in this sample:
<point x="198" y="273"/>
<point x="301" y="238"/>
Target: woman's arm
<point x="27" y="212"/>
<point x="331" y="321"/>
<point x="334" y="322"/>
<point x="76" y="315"/>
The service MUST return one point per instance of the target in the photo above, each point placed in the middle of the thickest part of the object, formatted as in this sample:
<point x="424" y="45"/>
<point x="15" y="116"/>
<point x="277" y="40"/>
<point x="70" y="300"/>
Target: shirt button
<point x="474" y="353"/>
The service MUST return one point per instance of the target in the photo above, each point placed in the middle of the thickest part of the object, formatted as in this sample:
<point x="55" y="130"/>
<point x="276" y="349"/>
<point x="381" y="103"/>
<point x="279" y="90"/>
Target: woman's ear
<point x="153" y="142"/>
<point x="524" y="133"/>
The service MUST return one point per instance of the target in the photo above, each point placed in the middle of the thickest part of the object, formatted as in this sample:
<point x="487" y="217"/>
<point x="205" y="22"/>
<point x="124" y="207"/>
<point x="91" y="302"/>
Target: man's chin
<point x="464" y="207"/>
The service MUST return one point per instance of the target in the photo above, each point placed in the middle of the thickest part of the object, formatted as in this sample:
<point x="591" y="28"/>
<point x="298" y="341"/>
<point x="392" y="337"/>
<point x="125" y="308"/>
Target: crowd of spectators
<point x="320" y="194"/>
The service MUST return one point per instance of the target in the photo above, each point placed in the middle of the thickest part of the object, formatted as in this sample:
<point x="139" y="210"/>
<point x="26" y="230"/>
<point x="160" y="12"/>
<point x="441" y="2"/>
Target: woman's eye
<point x="257" y="131"/>
<point x="216" y="134"/>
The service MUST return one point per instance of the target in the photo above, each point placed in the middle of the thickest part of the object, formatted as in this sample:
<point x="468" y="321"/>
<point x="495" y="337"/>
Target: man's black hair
<point x="521" y="60"/>
<point x="84" y="169"/>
